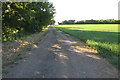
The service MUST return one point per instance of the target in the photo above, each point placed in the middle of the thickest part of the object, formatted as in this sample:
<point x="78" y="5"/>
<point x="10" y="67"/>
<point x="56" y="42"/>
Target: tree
<point x="25" y="17"/>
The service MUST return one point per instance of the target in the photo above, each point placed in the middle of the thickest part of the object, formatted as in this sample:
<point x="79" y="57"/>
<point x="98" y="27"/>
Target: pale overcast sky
<point x="85" y="9"/>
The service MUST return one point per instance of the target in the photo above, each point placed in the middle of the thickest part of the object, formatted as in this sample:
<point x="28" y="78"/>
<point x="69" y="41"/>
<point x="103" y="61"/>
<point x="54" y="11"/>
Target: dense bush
<point x="19" y="18"/>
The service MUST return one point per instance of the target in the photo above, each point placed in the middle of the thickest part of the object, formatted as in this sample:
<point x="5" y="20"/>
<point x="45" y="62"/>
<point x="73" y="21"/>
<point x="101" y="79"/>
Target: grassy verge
<point x="18" y="49"/>
<point x="101" y="37"/>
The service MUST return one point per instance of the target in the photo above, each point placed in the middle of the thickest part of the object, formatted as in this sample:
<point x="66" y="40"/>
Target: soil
<point x="60" y="56"/>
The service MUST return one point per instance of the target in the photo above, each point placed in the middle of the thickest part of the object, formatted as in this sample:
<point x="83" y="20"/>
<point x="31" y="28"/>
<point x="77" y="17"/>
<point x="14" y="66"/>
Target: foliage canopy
<point x="25" y="17"/>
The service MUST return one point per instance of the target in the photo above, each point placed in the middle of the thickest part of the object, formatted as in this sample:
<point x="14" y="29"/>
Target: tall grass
<point x="102" y="37"/>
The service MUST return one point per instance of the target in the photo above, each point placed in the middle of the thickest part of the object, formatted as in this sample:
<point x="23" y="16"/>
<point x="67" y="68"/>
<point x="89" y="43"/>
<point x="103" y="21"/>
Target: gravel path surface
<point x="59" y="56"/>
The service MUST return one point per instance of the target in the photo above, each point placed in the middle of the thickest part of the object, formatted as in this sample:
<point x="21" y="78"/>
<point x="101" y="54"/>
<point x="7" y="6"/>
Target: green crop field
<point x="102" y="37"/>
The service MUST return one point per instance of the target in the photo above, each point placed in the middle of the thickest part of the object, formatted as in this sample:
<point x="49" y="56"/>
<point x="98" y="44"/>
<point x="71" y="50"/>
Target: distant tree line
<point x="21" y="18"/>
<point x="107" y="21"/>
